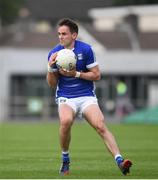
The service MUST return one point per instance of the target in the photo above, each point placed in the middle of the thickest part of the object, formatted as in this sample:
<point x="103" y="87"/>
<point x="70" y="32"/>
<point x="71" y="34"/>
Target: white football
<point x="66" y="59"/>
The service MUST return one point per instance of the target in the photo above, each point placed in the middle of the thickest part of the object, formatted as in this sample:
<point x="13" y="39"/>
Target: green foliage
<point x="9" y="10"/>
<point x="31" y="150"/>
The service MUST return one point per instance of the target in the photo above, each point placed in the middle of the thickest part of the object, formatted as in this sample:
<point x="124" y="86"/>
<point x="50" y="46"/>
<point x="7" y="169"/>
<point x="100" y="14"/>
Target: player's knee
<point x="66" y="122"/>
<point x="100" y="128"/>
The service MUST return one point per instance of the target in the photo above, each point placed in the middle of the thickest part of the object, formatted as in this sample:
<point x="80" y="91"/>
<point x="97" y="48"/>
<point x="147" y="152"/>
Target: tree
<point x="9" y="10"/>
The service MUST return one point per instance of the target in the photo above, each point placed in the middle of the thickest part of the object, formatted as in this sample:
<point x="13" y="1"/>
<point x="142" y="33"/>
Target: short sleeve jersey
<point x="71" y="87"/>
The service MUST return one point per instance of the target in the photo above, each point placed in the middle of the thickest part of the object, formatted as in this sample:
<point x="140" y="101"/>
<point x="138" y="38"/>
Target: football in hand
<point x="66" y="59"/>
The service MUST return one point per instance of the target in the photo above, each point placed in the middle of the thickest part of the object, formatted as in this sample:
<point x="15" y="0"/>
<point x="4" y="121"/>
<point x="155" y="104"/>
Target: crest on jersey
<point x="80" y="56"/>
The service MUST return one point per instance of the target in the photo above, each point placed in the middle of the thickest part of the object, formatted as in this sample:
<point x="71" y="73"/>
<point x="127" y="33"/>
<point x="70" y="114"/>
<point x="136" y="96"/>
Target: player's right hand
<point x="52" y="59"/>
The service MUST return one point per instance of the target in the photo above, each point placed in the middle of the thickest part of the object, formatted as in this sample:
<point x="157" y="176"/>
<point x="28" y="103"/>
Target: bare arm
<point x="93" y="74"/>
<point x="52" y="79"/>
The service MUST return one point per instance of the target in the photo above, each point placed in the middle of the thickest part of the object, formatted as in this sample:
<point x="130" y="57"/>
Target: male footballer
<point x="75" y="94"/>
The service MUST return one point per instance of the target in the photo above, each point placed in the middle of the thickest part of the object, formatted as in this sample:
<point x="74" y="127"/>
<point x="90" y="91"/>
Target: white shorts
<point x="78" y="104"/>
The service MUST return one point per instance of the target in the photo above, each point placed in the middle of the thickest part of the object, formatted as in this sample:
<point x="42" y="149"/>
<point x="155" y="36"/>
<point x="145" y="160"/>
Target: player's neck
<point x="71" y="46"/>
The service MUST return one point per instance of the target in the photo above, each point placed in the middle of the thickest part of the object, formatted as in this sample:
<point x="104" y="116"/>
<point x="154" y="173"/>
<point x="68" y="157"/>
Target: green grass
<point x="31" y="150"/>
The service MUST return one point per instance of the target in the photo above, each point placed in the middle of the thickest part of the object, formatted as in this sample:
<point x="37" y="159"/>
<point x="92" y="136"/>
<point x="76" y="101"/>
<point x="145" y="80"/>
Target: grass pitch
<point x="31" y="150"/>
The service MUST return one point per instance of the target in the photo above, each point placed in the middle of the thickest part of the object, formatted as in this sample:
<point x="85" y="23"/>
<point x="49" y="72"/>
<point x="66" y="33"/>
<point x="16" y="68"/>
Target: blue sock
<point x="119" y="159"/>
<point x="65" y="157"/>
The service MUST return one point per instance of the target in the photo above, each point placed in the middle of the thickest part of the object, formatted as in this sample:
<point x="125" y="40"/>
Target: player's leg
<point x="95" y="118"/>
<point x="66" y="115"/>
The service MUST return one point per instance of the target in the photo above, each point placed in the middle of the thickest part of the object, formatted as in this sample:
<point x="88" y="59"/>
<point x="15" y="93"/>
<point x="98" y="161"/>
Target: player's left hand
<point x="64" y="72"/>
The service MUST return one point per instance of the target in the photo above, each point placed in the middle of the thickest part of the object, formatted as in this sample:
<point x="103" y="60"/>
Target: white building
<point x="24" y="92"/>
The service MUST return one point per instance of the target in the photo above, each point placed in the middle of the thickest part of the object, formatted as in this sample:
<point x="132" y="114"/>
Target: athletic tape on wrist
<point x="50" y="69"/>
<point x="77" y="74"/>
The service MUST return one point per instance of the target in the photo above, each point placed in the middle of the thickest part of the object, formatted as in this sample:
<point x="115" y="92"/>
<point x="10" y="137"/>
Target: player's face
<point x="66" y="38"/>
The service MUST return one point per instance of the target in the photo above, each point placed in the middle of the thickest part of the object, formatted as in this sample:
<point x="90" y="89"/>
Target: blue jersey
<point x="71" y="87"/>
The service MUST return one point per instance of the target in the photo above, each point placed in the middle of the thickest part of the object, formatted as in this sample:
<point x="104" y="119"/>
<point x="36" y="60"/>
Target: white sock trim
<point x="117" y="155"/>
<point x="65" y="152"/>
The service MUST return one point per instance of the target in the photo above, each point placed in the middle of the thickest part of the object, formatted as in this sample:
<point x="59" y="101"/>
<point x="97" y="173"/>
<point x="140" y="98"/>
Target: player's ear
<point x="74" y="35"/>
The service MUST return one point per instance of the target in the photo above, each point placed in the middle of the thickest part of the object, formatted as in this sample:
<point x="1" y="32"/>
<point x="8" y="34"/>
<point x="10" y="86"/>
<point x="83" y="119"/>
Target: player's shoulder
<point x="54" y="49"/>
<point x="58" y="47"/>
<point x="83" y="44"/>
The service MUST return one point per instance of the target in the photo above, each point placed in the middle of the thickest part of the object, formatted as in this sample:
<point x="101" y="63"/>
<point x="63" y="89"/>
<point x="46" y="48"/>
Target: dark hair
<point x="70" y="23"/>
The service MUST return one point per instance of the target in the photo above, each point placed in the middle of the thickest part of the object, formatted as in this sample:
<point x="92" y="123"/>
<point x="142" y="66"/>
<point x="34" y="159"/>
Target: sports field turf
<point x="31" y="150"/>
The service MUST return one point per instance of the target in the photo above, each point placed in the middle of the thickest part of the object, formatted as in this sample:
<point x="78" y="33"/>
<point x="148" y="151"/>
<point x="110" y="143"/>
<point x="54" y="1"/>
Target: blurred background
<point x="124" y="35"/>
